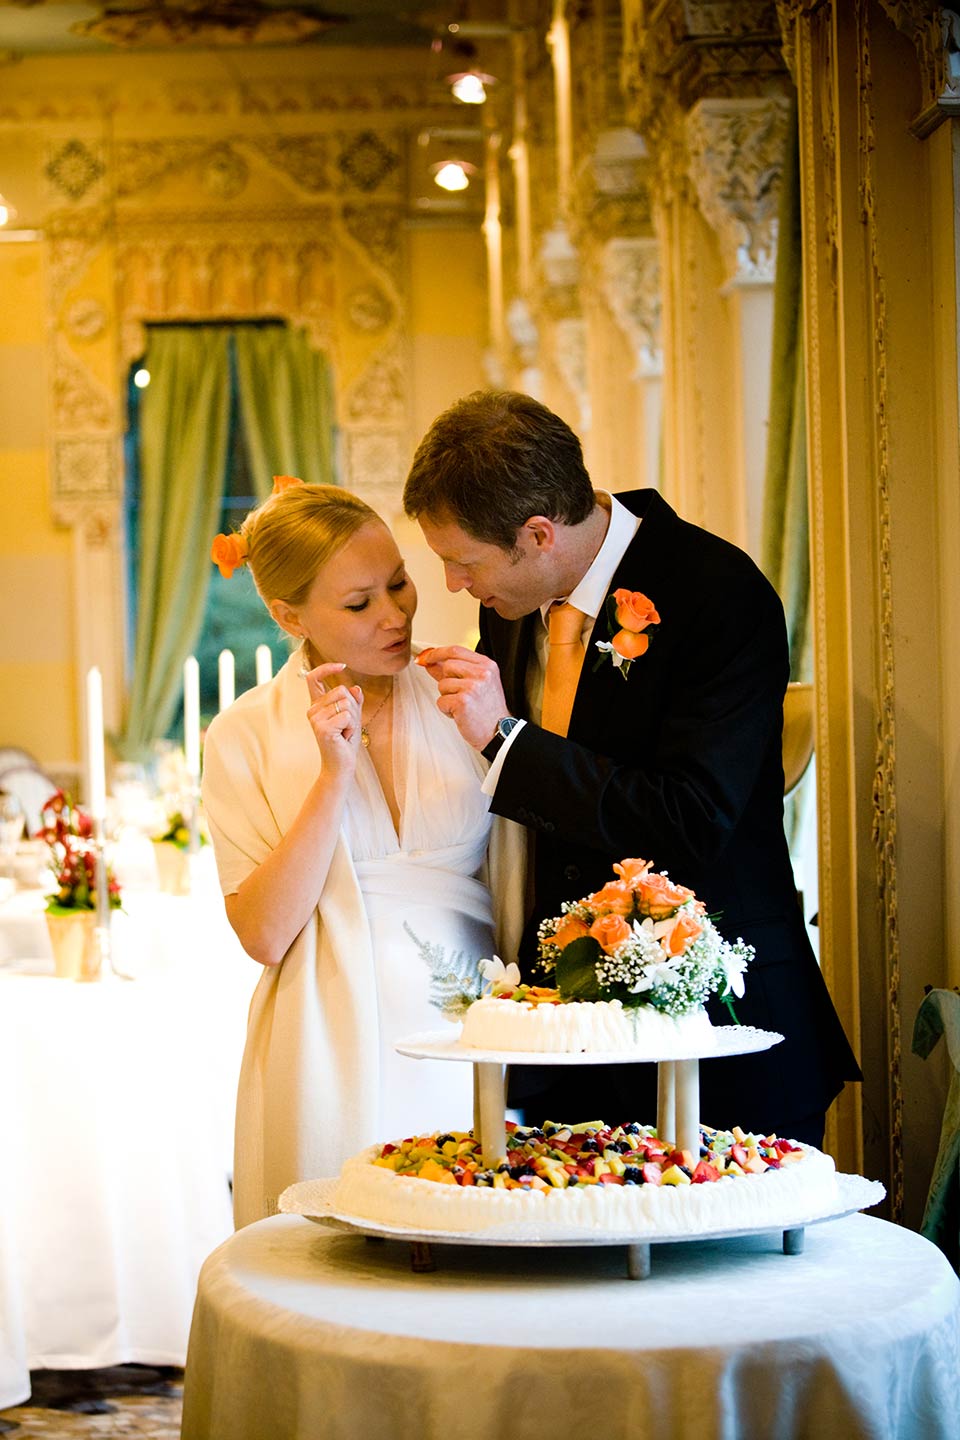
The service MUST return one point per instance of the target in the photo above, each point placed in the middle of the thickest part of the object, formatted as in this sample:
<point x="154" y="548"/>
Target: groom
<point x="677" y="760"/>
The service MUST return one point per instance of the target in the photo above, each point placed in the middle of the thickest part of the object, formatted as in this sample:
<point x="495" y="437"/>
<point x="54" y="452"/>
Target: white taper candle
<point x="191" y="716"/>
<point x="228" y="678"/>
<point x="96" y="777"/>
<point x="264" y="661"/>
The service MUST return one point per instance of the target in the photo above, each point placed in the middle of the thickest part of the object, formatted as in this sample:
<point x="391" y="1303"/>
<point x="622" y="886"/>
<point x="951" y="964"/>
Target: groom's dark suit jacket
<point x="679" y="764"/>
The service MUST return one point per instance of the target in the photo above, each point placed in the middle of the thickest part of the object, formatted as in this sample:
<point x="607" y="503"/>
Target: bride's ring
<point x="336" y="707"/>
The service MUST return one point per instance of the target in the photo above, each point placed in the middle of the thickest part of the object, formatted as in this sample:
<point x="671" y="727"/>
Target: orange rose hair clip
<point x="228" y="553"/>
<point x="629" y="614"/>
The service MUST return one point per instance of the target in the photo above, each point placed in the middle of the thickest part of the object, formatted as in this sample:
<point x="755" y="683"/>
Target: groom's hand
<point x="470" y="690"/>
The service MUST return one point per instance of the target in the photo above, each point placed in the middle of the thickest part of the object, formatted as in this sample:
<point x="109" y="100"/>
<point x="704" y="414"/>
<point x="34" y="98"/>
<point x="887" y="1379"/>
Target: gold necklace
<point x="365" y="729"/>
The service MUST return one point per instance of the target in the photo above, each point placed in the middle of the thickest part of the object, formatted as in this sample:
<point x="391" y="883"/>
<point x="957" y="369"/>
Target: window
<point x="234" y="618"/>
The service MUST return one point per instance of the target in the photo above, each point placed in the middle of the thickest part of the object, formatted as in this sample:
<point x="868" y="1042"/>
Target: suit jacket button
<point x="571" y="874"/>
<point x="522" y="814"/>
<point x="549" y="826"/>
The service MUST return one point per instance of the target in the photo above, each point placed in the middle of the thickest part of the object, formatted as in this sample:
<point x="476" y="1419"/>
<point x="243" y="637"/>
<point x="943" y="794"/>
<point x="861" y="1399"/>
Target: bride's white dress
<point x="320" y="1078"/>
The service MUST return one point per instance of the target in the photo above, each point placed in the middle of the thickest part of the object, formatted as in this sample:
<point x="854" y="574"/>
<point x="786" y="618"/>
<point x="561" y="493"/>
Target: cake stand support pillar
<point x="687" y="1102"/>
<point x="489" y="1108"/>
<point x="793" y="1241"/>
<point x="421" y="1257"/>
<point x="666" y="1100"/>
<point x="638" y="1262"/>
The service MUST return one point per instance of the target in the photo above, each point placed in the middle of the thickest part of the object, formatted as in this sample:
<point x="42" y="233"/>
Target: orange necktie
<point x="564" y="662"/>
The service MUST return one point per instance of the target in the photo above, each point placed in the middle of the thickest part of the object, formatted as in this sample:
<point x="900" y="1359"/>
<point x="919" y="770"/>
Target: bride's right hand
<point x="334" y="716"/>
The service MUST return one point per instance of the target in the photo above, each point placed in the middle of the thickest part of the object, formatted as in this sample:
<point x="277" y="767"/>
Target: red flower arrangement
<point x="68" y="831"/>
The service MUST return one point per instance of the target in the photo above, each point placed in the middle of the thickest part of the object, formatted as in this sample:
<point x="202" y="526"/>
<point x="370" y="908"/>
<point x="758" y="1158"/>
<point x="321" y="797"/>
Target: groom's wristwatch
<point x="492" y="748"/>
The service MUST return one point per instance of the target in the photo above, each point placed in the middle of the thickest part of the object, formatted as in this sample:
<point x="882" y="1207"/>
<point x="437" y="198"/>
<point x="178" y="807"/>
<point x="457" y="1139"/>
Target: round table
<point x="304" y="1333"/>
<point x="116" y="1134"/>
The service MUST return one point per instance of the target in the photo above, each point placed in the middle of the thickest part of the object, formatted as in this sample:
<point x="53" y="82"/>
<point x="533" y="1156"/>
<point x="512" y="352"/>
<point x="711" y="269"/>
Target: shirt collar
<point x="592" y="589"/>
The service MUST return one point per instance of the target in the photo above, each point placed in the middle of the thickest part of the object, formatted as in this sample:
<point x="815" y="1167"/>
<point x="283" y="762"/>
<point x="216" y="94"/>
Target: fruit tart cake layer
<point x="586" y="1027"/>
<point x="589" y="1177"/>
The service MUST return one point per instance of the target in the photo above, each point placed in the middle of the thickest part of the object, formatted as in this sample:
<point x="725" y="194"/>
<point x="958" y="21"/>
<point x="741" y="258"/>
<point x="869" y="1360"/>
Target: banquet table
<point x="300" y="1331"/>
<point x="116" y="1133"/>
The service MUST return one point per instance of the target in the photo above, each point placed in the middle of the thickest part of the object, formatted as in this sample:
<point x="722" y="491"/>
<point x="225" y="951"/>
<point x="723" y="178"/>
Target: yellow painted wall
<point x="36" y="669"/>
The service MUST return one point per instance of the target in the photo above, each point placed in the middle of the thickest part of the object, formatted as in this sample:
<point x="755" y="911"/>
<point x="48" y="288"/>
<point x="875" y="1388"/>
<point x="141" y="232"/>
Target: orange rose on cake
<point x="643" y="940"/>
<point x="658" y="896"/>
<point x="616" y="898"/>
<point x="610" y="931"/>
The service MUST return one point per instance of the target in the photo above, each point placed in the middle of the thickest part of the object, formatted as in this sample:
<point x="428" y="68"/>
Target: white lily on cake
<point x="499" y="976"/>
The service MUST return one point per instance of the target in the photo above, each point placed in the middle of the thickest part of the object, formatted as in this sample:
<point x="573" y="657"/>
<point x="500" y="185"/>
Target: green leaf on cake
<point x="575" y="971"/>
<point x="455" y="980"/>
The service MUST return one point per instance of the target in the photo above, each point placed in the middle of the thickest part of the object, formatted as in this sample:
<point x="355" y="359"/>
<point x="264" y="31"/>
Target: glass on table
<point x="11" y="829"/>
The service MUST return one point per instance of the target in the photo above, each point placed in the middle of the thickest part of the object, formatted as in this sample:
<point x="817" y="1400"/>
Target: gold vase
<point x="173" y="867"/>
<point x="76" y="955"/>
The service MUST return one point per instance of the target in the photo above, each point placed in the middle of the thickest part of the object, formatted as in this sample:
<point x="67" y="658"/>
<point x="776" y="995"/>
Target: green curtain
<point x="785" y="543"/>
<point x="287" y="405"/>
<point x="184" y="424"/>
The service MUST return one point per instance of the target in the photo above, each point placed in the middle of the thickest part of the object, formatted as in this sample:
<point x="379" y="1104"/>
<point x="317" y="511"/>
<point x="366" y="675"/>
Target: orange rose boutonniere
<point x="629" y="615"/>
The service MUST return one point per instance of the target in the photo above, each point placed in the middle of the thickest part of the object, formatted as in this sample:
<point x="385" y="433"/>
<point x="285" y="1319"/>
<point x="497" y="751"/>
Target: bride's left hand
<point x="335" y="718"/>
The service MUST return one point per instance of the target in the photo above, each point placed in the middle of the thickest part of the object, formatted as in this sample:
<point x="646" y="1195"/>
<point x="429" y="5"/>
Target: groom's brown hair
<point x="494" y="459"/>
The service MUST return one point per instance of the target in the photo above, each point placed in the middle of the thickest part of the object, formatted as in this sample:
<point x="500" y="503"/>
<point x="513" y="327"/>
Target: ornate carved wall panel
<point x="170" y="193"/>
<point x="736" y="150"/>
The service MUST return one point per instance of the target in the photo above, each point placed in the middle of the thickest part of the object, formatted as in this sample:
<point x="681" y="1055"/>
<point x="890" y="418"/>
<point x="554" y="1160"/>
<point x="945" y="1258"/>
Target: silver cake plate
<point x="725" y="1040"/>
<point x="314" y="1200"/>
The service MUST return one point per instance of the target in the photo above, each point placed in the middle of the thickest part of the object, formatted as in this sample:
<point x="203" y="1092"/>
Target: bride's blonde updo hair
<point x="288" y="539"/>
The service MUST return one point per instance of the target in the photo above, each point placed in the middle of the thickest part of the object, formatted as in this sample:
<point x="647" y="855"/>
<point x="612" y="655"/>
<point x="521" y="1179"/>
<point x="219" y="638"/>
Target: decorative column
<point x="735" y="150"/>
<point x="493" y="239"/>
<point x="87" y="408"/>
<point x="566" y="330"/>
<point x="631" y="286"/>
<point x="687" y="67"/>
<point x="879" y="173"/>
<point x="559" y="260"/>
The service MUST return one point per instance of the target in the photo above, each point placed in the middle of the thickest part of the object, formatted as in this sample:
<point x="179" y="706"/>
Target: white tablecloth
<point x="300" y="1334"/>
<point x="116" y="1133"/>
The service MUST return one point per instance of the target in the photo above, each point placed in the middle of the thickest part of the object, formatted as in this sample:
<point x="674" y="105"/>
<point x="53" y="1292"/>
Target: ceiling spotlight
<point x="470" y="87"/>
<point x="453" y="174"/>
<point x="7" y="212"/>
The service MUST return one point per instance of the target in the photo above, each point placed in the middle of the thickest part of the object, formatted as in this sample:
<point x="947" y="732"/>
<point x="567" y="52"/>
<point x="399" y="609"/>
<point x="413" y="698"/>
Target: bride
<point x="350" y="834"/>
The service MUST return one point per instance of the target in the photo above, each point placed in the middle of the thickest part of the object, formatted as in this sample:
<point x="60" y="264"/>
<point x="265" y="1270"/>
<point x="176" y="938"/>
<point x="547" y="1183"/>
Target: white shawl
<point x="311" y="1045"/>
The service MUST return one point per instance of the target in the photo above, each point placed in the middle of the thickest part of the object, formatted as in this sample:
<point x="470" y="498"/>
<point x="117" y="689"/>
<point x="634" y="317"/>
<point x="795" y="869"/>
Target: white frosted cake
<point x="586" y="1027"/>
<point x="597" y="1179"/>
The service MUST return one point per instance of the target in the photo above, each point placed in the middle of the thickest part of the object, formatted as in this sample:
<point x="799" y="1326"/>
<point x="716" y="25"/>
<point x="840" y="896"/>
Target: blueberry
<point x="590" y="1145"/>
<point x="632" y="1129"/>
<point x="549" y="1130"/>
<point x="503" y="1169"/>
<point x="572" y="1180"/>
<point x="442" y="1140"/>
<point x="632" y="1175"/>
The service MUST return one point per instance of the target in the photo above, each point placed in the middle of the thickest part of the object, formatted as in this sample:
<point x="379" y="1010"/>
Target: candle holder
<point x="100" y="965"/>
<point x="192" y="817"/>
